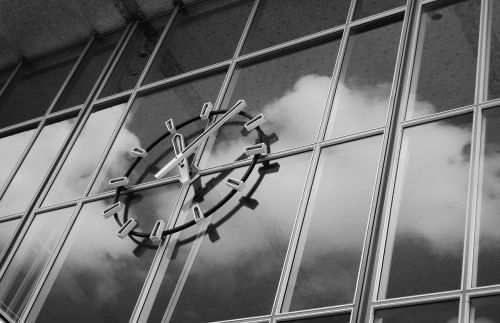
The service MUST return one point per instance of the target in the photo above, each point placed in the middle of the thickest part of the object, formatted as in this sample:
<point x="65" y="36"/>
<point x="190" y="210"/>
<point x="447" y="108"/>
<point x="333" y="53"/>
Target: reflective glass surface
<point x="362" y="95"/>
<point x="342" y="318"/>
<point x="88" y="72"/>
<point x="145" y="124"/>
<point x="6" y="230"/>
<point x="34" y="167"/>
<point x="85" y="153"/>
<point x="494" y="55"/>
<point x="30" y="94"/>
<point x="203" y="34"/>
<point x="487" y="260"/>
<point x="446" y="312"/>
<point x="485" y="309"/>
<point x="14" y="145"/>
<point x="427" y="220"/>
<point x="290" y="90"/>
<point x="326" y="264"/>
<point x="365" y="8"/>
<point x="444" y="71"/>
<point x="278" y="21"/>
<point x="98" y="276"/>
<point x="129" y="67"/>
<point x="31" y="257"/>
<point x="4" y="76"/>
<point x="240" y="260"/>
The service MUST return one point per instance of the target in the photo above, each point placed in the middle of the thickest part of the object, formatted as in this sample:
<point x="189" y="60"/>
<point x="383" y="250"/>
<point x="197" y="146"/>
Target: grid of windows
<point x="378" y="201"/>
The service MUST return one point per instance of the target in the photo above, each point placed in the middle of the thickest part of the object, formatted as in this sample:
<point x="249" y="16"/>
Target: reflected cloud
<point x="14" y="145"/>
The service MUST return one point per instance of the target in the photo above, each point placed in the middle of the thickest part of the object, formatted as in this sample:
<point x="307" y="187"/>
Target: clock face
<point x="188" y="172"/>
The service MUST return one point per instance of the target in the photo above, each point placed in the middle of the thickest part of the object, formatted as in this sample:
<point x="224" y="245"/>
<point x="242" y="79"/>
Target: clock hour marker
<point x="256" y="149"/>
<point x="138" y="152"/>
<point x="178" y="143"/>
<point x="198" y="215"/>
<point x="205" y="110"/>
<point x="126" y="228"/>
<point x="255" y="122"/>
<point x="157" y="231"/>
<point x="112" y="209"/>
<point x="235" y="184"/>
<point x="170" y="126"/>
<point x="118" y="182"/>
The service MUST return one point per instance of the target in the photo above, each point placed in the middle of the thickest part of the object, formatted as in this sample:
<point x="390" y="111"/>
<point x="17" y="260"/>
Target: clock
<point x="187" y="173"/>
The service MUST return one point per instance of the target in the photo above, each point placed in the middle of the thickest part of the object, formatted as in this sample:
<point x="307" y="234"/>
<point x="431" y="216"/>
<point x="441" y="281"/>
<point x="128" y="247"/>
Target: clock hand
<point x="234" y="110"/>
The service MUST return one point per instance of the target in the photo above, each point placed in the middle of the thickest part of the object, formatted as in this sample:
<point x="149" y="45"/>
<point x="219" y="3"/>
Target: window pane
<point x="145" y="124"/>
<point x="201" y="35"/>
<point x="343" y="318"/>
<point x="444" y="73"/>
<point x="494" y="55"/>
<point x="15" y="145"/>
<point x="326" y="265"/>
<point x="30" y="95"/>
<point x="240" y="262"/>
<point x="88" y="72"/>
<point x="6" y="230"/>
<point x="135" y="56"/>
<point x="290" y="90"/>
<point x="428" y="313"/>
<point x="426" y="231"/>
<point x="365" y="8"/>
<point x="485" y="309"/>
<point x="85" y="153"/>
<point x="34" y="167"/>
<point x="99" y="276"/>
<point x="278" y="21"/>
<point x="362" y="96"/>
<point x="30" y="259"/>
<point x="488" y="261"/>
<point x="4" y="76"/>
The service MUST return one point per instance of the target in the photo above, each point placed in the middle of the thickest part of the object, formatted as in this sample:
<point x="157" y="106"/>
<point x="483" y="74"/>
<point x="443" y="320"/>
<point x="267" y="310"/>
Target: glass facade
<point x="377" y="198"/>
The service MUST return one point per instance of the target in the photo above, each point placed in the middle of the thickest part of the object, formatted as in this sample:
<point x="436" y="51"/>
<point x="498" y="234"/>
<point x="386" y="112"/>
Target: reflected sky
<point x="329" y="252"/>
<point x="98" y="276"/>
<point x="15" y="145"/>
<point x="145" y="124"/>
<point x="6" y="230"/>
<point x="34" y="168"/>
<point x="84" y="155"/>
<point x="485" y="309"/>
<point x="427" y="223"/>
<point x="290" y="90"/>
<point x="445" y="312"/>
<point x="30" y="259"/>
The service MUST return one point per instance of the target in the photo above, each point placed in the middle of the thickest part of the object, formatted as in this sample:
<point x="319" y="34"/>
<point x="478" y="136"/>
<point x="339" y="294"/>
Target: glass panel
<point x="88" y="72"/>
<point x="426" y="230"/>
<point x="4" y="76"/>
<point x="326" y="266"/>
<point x="494" y="55"/>
<point x="485" y="309"/>
<point x="240" y="261"/>
<point x="444" y="73"/>
<point x="290" y="90"/>
<point x="201" y="35"/>
<point x="365" y="8"/>
<point x="362" y="95"/>
<point x="14" y="145"/>
<point x="85" y="153"/>
<point x="278" y="21"/>
<point x="446" y="312"/>
<point x="99" y="276"/>
<point x="487" y="260"/>
<point x="6" y="230"/>
<point x="343" y="318"/>
<point x="30" y="95"/>
<point x="35" y="166"/>
<point x="31" y="257"/>
<point x="127" y="71"/>
<point x="145" y="124"/>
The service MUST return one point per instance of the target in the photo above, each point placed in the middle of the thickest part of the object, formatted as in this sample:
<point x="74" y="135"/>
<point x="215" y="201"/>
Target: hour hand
<point x="186" y="152"/>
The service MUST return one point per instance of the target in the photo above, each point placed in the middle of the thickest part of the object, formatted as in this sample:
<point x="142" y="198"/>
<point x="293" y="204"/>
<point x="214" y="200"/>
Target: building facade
<point x="376" y="199"/>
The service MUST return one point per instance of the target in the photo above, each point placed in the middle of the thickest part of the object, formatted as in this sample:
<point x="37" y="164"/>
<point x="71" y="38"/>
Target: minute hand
<point x="234" y="110"/>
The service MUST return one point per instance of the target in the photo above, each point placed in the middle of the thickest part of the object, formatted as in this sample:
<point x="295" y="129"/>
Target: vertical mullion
<point x="11" y="77"/>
